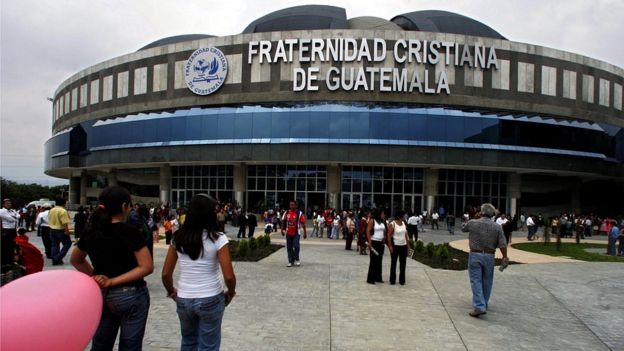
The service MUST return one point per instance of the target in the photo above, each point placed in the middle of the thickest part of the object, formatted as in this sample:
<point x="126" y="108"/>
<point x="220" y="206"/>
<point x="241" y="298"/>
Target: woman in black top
<point x="119" y="261"/>
<point x="80" y="221"/>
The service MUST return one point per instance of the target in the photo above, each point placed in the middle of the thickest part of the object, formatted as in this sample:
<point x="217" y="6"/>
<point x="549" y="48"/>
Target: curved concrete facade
<point x="529" y="83"/>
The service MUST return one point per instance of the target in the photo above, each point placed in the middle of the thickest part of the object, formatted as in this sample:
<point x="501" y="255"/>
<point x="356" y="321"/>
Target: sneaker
<point x="297" y="263"/>
<point x="289" y="264"/>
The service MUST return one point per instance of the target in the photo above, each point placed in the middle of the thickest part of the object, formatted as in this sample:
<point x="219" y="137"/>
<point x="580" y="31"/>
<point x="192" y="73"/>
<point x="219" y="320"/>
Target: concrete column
<point x="514" y="182"/>
<point x="240" y="184"/>
<point x="165" y="183"/>
<point x="112" y="177"/>
<point x="74" y="190"/>
<point x="576" y="195"/>
<point x="431" y="187"/>
<point x="334" y="180"/>
<point x="83" y="188"/>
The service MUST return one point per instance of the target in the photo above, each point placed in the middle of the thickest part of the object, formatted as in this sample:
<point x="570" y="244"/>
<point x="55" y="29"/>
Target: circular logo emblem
<point x="205" y="71"/>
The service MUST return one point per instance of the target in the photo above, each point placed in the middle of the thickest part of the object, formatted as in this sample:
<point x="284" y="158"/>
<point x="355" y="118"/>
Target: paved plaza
<point x="326" y="304"/>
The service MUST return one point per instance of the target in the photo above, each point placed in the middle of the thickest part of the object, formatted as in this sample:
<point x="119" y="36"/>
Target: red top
<point x="31" y="257"/>
<point x="291" y="222"/>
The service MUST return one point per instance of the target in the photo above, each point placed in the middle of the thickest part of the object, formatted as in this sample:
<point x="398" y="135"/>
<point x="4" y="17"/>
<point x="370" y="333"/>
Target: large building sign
<point x="390" y="79"/>
<point x="205" y="71"/>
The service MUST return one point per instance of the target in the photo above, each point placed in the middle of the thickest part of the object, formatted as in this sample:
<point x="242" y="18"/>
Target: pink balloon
<point x="51" y="310"/>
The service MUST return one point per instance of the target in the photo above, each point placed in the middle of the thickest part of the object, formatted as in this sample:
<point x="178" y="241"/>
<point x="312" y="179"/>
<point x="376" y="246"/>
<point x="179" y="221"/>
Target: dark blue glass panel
<point x="280" y="125"/>
<point x="209" y="127"/>
<point x="193" y="127"/>
<point x="378" y="126"/>
<point x="243" y="126"/>
<point x="319" y="125"/>
<point x="339" y="125"/>
<point x="300" y="124"/>
<point x="261" y="125"/>
<point x="417" y="127"/>
<point x="225" y="126"/>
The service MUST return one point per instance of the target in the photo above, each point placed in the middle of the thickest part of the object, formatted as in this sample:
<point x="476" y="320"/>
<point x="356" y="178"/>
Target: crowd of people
<point x="116" y="238"/>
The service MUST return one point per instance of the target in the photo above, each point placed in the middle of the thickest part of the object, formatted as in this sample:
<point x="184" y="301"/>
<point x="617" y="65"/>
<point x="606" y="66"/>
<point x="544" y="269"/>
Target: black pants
<point x="374" y="267"/>
<point x="8" y="246"/>
<point x="434" y="222"/>
<point x="349" y="240"/>
<point x="412" y="231"/>
<point x="241" y="231"/>
<point x="47" y="242"/>
<point x="168" y="236"/>
<point x="251" y="231"/>
<point x="400" y="252"/>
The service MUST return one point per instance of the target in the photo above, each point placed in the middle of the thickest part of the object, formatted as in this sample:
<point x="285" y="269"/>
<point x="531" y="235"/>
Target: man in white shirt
<point x="412" y="227"/>
<point x="44" y="229"/>
<point x="8" y="219"/>
<point x="434" y="220"/>
<point x="530" y="227"/>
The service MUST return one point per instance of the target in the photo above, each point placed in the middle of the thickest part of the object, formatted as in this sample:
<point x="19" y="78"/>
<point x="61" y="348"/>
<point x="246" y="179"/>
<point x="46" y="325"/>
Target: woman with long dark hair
<point x="199" y="296"/>
<point x="119" y="262"/>
<point x="377" y="237"/>
<point x="397" y="232"/>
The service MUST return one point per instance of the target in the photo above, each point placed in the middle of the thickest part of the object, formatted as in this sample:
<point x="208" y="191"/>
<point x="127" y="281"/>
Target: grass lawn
<point x="572" y="250"/>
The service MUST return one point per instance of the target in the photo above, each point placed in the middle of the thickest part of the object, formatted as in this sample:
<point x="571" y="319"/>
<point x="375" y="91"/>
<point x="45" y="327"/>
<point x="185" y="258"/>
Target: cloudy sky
<point x="43" y="42"/>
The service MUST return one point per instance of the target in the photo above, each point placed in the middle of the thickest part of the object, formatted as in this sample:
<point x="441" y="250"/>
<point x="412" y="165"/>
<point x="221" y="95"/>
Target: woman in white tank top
<point x="397" y="230"/>
<point x="376" y="234"/>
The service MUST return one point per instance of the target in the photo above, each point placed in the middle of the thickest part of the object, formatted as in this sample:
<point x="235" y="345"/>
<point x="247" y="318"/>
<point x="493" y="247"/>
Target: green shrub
<point x="430" y="248"/>
<point x="267" y="239"/>
<point x="419" y="246"/>
<point x="411" y="244"/>
<point x="253" y="244"/>
<point x="260" y="241"/>
<point x="243" y="248"/>
<point x="442" y="253"/>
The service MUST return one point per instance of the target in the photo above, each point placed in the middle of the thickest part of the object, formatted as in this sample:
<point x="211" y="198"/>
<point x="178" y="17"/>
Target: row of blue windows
<point x="346" y="124"/>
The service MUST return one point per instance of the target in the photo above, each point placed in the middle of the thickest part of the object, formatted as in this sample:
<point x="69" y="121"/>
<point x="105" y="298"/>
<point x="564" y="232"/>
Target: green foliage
<point x="442" y="252"/>
<point x="243" y="248"/>
<point x="253" y="244"/>
<point x="267" y="239"/>
<point x="419" y="246"/>
<point x="430" y="248"/>
<point x="22" y="194"/>
<point x="411" y="244"/>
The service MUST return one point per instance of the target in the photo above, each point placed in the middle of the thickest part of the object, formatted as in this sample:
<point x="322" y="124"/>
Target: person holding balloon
<point x="200" y="298"/>
<point x="119" y="260"/>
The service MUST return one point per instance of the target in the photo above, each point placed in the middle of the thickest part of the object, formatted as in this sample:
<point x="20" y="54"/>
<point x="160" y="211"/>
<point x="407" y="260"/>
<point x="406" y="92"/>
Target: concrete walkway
<point x="326" y="305"/>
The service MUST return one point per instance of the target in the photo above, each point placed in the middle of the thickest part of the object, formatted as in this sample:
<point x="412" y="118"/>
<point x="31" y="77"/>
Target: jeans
<point x="399" y="252"/>
<point x="58" y="236"/>
<point x="124" y="308"/>
<point x="451" y="228"/>
<point x="374" y="267"/>
<point x="292" y="246"/>
<point x="481" y="274"/>
<point x="611" y="246"/>
<point x="200" y="322"/>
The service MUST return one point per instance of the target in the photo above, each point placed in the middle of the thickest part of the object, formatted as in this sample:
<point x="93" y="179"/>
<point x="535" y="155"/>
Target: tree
<point x="22" y="194"/>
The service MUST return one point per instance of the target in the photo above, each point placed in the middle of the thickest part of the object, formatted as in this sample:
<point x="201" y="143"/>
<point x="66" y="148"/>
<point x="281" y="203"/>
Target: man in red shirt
<point x="294" y="223"/>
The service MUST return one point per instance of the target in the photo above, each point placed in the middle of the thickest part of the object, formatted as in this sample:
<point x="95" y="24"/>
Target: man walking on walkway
<point x="484" y="237"/>
<point x="58" y="220"/>
<point x="293" y="224"/>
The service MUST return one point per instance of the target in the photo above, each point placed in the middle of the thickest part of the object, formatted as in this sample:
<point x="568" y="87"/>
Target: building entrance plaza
<point x="326" y="304"/>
